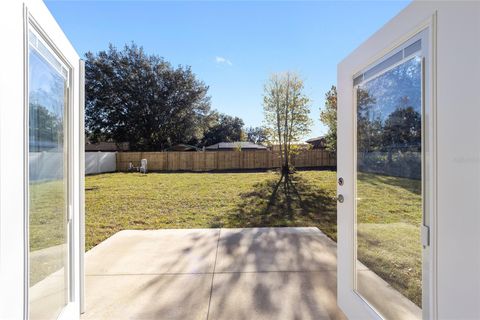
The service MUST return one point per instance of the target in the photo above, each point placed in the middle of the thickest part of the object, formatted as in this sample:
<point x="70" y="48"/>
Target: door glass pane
<point x="47" y="188"/>
<point x="389" y="190"/>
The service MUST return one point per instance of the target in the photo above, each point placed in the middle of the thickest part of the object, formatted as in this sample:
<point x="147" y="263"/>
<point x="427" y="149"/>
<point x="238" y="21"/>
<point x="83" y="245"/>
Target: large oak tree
<point x="223" y="128"/>
<point x="142" y="99"/>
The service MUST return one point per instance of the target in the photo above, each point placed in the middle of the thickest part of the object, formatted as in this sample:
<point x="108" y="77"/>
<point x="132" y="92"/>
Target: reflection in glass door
<point x="389" y="205"/>
<point x="48" y="181"/>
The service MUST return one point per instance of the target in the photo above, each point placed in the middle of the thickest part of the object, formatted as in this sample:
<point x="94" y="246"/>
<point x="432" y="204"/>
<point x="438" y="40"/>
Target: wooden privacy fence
<point x="222" y="160"/>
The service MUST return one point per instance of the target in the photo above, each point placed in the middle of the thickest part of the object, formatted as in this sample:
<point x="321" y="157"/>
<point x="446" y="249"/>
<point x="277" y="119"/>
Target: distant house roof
<point x="317" y="142"/>
<point x="311" y="140"/>
<point x="183" y="147"/>
<point x="107" y="146"/>
<point x="236" y="145"/>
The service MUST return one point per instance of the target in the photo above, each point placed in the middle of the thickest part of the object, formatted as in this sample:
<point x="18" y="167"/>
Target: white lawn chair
<point x="143" y="166"/>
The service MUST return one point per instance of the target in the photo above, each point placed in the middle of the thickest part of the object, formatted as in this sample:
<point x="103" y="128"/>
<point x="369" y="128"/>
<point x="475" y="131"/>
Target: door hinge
<point x="425" y="236"/>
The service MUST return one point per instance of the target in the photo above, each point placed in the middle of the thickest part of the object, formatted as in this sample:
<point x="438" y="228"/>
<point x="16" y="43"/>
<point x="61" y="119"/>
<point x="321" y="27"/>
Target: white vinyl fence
<point x="45" y="166"/>
<point x="99" y="162"/>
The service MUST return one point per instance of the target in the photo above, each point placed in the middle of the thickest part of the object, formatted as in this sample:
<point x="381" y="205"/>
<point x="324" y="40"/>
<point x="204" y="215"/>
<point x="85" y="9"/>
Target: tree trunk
<point x="286" y="133"/>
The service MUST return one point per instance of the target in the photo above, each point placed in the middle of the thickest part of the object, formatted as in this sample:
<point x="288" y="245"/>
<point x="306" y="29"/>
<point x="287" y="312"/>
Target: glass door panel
<point x="389" y="202"/>
<point x="48" y="182"/>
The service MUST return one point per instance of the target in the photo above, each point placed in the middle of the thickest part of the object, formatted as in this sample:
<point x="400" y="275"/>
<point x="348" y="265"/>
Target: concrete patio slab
<point x="169" y="251"/>
<point x="261" y="273"/>
<point x="275" y="249"/>
<point x="275" y="295"/>
<point x="48" y="296"/>
<point x="168" y="297"/>
<point x="376" y="290"/>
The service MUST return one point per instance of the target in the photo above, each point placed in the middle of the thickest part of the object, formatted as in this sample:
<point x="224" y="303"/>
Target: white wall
<point x="12" y="173"/>
<point x="458" y="119"/>
<point x="99" y="162"/>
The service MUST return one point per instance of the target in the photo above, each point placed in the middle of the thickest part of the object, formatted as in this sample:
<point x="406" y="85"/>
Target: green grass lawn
<point x="120" y="201"/>
<point x="389" y="211"/>
<point x="46" y="229"/>
<point x="389" y="216"/>
<point x="47" y="218"/>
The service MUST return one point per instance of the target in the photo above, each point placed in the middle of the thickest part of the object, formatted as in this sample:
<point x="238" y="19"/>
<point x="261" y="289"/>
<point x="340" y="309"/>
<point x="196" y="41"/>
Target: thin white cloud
<point x="223" y="60"/>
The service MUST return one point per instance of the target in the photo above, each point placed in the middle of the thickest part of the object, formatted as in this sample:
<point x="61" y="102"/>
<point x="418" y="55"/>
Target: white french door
<point x="49" y="182"/>
<point x="52" y="265"/>
<point x="408" y="159"/>
<point x="385" y="172"/>
<point x="40" y="186"/>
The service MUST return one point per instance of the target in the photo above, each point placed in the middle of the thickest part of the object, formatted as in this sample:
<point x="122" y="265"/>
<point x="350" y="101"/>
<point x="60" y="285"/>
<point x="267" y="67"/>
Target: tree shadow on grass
<point x="287" y="201"/>
<point x="382" y="181"/>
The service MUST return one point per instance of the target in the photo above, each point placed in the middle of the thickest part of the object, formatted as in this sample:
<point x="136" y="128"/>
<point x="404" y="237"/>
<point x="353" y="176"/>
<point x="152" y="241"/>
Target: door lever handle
<point x="340" y="198"/>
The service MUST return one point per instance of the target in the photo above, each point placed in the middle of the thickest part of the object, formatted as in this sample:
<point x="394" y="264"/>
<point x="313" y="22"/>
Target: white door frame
<point x="451" y="155"/>
<point x="14" y="23"/>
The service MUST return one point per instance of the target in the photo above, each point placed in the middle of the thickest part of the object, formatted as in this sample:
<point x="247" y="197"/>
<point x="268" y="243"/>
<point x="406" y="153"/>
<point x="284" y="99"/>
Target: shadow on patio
<point x="252" y="273"/>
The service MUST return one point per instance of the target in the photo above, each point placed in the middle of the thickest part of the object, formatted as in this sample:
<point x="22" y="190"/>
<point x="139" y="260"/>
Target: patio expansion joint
<point x="147" y="274"/>
<point x="213" y="275"/>
<point x="207" y="273"/>
<point x="277" y="271"/>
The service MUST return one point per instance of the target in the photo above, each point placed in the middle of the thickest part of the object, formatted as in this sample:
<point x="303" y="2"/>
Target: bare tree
<point x="287" y="114"/>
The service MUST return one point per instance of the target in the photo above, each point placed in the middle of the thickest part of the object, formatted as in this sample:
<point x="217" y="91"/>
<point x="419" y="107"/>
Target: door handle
<point x="340" y="198"/>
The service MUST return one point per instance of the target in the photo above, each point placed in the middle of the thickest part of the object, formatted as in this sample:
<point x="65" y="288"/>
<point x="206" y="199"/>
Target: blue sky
<point x="234" y="46"/>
